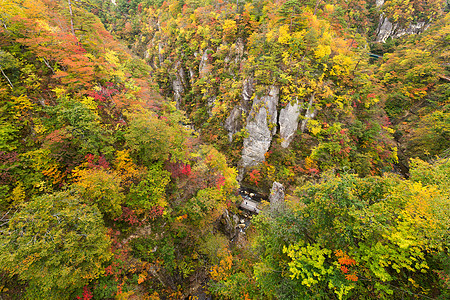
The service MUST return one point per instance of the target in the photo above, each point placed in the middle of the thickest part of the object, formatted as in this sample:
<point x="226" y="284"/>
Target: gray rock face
<point x="248" y="89"/>
<point x="229" y="223"/>
<point x="309" y="114"/>
<point x="239" y="49"/>
<point x="178" y="84"/>
<point x="191" y="73"/>
<point x="240" y="240"/>
<point x="276" y="197"/>
<point x="233" y="122"/>
<point x="203" y="67"/>
<point x="211" y="102"/>
<point x="386" y="29"/>
<point x="261" y="127"/>
<point x="288" y="121"/>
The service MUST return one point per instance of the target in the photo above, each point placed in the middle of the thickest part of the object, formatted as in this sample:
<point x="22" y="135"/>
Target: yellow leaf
<point x="142" y="277"/>
<point x="284" y="37"/>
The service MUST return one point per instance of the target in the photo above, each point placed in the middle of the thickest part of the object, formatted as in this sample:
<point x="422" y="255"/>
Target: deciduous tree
<point x="56" y="244"/>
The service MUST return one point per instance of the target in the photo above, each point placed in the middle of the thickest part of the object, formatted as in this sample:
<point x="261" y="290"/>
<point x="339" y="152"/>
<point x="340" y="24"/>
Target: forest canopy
<point x="131" y="132"/>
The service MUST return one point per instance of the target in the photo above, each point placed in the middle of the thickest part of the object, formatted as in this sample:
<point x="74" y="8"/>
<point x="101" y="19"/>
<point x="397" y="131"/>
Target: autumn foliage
<point x="122" y="125"/>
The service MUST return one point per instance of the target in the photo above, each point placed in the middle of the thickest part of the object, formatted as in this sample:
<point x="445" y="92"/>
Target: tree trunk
<point x="71" y="18"/>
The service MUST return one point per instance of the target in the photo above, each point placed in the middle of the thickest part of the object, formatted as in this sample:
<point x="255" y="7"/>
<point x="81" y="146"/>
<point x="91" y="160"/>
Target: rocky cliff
<point x="260" y="126"/>
<point x="250" y="87"/>
<point x="391" y="26"/>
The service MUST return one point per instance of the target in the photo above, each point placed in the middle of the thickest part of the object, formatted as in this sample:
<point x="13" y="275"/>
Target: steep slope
<point x="106" y="192"/>
<point x="251" y="76"/>
<point x="94" y="165"/>
<point x="415" y="83"/>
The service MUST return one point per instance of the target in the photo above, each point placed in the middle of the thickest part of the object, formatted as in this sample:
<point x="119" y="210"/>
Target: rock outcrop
<point x="248" y="89"/>
<point x="240" y="240"/>
<point x="261" y="126"/>
<point x="204" y="67"/>
<point x="236" y="51"/>
<point x="276" y="197"/>
<point x="229" y="224"/>
<point x="178" y="84"/>
<point x="309" y="114"/>
<point x="386" y="29"/>
<point x="288" y="121"/>
<point x="234" y="122"/>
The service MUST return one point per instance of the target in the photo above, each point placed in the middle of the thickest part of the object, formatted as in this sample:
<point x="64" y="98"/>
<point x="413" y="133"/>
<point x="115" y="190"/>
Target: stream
<point x="236" y="225"/>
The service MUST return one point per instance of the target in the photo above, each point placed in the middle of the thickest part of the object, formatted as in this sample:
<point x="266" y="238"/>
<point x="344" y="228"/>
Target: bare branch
<point x="71" y="18"/>
<point x="9" y="81"/>
<point x="48" y="65"/>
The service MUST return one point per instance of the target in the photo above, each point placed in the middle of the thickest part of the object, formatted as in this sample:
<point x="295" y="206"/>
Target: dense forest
<point x="135" y="133"/>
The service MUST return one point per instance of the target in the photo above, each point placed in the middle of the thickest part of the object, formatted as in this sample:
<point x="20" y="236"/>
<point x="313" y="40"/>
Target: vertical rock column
<point x="178" y="84"/>
<point x="289" y="117"/>
<point x="261" y="126"/>
<point x="234" y="122"/>
<point x="276" y="197"/>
